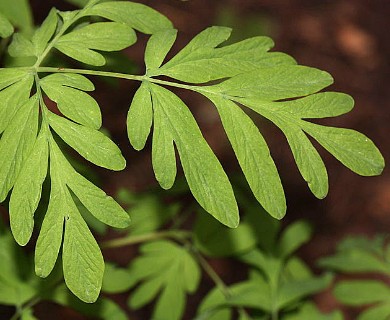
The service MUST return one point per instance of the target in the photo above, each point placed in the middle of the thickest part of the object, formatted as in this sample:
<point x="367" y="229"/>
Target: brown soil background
<point x="348" y="38"/>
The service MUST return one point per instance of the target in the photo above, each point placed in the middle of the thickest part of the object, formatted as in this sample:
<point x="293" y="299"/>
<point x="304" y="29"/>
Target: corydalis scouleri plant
<point x="244" y="75"/>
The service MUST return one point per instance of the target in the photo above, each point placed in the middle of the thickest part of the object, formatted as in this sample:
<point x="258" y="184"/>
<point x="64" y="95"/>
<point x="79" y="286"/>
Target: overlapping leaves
<point x="242" y="74"/>
<point x="166" y="269"/>
<point x="255" y="78"/>
<point x="277" y="281"/>
<point x="359" y="255"/>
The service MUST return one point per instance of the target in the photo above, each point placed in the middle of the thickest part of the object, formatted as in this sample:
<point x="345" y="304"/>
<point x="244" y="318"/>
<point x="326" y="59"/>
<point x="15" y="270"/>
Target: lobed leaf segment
<point x="234" y="78"/>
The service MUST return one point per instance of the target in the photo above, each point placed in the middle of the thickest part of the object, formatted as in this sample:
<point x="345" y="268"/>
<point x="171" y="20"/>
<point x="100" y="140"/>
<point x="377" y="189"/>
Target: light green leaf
<point x="379" y="312"/>
<point x="135" y="15"/>
<point x="214" y="239"/>
<point x="309" y="312"/>
<point x="45" y="32"/>
<point x="6" y="28"/>
<point x="149" y="212"/>
<point x="116" y="280"/>
<point x="27" y="314"/>
<point x="206" y="178"/>
<point x="274" y="83"/>
<point x="72" y="80"/>
<point x="102" y="206"/>
<point x="158" y="47"/>
<point x="16" y="144"/>
<point x="83" y="262"/>
<point x="293" y="237"/>
<point x="9" y="76"/>
<point x="355" y="260"/>
<point x="252" y="293"/>
<point x="201" y="62"/>
<point x="351" y="148"/>
<point x="103" y="308"/>
<point x="50" y="237"/>
<point x="163" y="309"/>
<point x="20" y="46"/>
<point x="13" y="97"/>
<point x="163" y="150"/>
<point x="295" y="290"/>
<point x="168" y="267"/>
<point x="213" y="307"/>
<point x="18" y="12"/>
<point x="361" y="292"/>
<point x="253" y="156"/>
<point x="89" y="143"/>
<point x="104" y="36"/>
<point x="309" y="162"/>
<point x="15" y="272"/>
<point x="320" y="105"/>
<point x="27" y="190"/>
<point x="140" y="117"/>
<point x="74" y="104"/>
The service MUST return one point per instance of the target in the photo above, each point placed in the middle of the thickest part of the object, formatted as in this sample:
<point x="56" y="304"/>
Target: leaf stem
<point x="217" y="279"/>
<point x="124" y="76"/>
<point x="178" y="235"/>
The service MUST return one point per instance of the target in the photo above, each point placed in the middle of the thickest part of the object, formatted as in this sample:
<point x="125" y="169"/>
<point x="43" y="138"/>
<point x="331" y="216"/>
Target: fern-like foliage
<point x="234" y="78"/>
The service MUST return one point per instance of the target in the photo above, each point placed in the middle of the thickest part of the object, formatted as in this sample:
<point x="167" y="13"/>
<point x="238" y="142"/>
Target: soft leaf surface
<point x="91" y="144"/>
<point x="73" y="103"/>
<point x="254" y="157"/>
<point x="135" y="15"/>
<point x="174" y="271"/>
<point x="140" y="117"/>
<point x="105" y="36"/>
<point x="206" y="178"/>
<point x="16" y="144"/>
<point x="27" y="190"/>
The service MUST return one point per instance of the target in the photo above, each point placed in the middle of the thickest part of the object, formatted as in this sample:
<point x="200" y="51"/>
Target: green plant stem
<point x="216" y="279"/>
<point x="130" y="240"/>
<point x="124" y="76"/>
<point x="28" y="305"/>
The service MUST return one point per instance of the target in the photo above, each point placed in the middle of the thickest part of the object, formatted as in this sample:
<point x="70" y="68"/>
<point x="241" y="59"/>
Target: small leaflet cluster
<point x="235" y="78"/>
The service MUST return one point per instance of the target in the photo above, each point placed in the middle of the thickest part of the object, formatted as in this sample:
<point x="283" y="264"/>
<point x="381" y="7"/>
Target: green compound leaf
<point x="16" y="144"/>
<point x="140" y="117"/>
<point x="89" y="143"/>
<point x="105" y="36"/>
<point x="83" y="263"/>
<point x="135" y="15"/>
<point x="6" y="28"/>
<point x="206" y="178"/>
<point x="27" y="190"/>
<point x="166" y="267"/>
<point x="73" y="103"/>
<point x="200" y="61"/>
